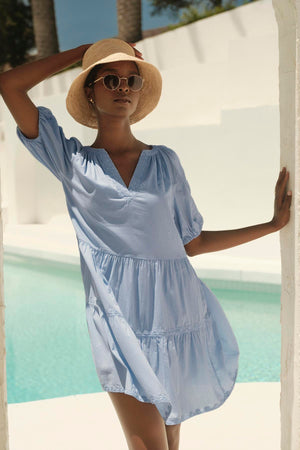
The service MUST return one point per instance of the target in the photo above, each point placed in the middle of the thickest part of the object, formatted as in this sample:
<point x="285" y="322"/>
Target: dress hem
<point x="198" y="411"/>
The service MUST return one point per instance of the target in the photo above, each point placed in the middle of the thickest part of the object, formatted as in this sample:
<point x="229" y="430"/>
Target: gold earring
<point x="91" y="100"/>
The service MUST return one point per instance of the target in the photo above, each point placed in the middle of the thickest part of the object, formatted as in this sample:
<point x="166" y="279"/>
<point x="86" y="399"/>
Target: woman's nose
<point x="123" y="86"/>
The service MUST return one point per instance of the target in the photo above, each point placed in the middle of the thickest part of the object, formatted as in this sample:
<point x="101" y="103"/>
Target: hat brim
<point x="82" y="111"/>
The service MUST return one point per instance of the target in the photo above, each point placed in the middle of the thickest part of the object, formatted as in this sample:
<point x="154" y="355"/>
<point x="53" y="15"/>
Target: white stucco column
<point x="3" y="391"/>
<point x="287" y="14"/>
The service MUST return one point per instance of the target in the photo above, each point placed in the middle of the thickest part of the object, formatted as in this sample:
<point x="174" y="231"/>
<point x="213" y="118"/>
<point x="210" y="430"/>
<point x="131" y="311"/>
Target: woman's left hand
<point x="137" y="53"/>
<point x="282" y="201"/>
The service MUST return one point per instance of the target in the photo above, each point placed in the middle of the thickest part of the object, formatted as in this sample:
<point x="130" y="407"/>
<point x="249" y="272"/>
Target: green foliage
<point x="176" y="6"/>
<point x="172" y="6"/>
<point x="192" y="13"/>
<point x="191" y="10"/>
<point x="16" y="32"/>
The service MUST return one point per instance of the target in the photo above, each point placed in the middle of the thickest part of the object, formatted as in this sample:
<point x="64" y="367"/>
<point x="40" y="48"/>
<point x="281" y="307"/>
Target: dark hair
<point x="92" y="75"/>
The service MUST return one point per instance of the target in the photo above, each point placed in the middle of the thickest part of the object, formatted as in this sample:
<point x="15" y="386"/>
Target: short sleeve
<point x="188" y="219"/>
<point x="50" y="147"/>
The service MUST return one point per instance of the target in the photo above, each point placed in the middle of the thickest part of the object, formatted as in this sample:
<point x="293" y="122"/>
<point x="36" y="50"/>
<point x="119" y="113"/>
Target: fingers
<point x="288" y="198"/>
<point x="283" y="199"/>
<point x="282" y="182"/>
<point x="138" y="54"/>
<point x="282" y="174"/>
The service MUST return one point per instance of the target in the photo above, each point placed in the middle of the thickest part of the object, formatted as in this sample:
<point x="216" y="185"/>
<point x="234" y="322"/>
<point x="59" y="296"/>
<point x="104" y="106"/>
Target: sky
<point x="84" y="22"/>
<point x="87" y="21"/>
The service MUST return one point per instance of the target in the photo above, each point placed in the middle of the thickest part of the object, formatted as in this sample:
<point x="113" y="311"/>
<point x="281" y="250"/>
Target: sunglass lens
<point x="111" y="81"/>
<point x="135" y="82"/>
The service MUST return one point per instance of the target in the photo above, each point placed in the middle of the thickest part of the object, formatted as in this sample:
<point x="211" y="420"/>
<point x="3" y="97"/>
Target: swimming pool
<point x="48" y="351"/>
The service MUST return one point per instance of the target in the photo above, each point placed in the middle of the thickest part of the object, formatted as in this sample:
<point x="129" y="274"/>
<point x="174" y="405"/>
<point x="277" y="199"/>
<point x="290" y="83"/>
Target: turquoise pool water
<point x="48" y="350"/>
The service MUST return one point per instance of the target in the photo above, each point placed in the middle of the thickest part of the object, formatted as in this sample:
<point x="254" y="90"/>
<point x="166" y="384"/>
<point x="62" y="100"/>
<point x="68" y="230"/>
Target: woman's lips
<point x="122" y="100"/>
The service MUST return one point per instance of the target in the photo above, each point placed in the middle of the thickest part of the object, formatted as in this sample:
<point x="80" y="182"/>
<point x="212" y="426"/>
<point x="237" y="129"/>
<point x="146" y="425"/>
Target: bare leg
<point x="173" y="435"/>
<point x="142" y="423"/>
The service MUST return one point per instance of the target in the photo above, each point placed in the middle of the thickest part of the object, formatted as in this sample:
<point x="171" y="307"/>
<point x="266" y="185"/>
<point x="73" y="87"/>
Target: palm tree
<point x="44" y="26"/>
<point x="129" y="20"/>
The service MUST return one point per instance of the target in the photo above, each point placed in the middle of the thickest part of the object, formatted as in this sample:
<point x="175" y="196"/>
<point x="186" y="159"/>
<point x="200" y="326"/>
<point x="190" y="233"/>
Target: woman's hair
<point x="92" y="75"/>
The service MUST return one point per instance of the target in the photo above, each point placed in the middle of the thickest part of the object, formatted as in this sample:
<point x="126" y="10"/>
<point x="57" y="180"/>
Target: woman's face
<point x="121" y="102"/>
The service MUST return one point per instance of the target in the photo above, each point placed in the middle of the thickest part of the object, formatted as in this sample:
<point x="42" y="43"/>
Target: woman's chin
<point x="116" y="115"/>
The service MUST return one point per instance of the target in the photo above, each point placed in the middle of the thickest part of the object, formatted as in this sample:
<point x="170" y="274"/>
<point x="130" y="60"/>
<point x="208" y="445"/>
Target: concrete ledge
<point x="226" y="267"/>
<point x="59" y="243"/>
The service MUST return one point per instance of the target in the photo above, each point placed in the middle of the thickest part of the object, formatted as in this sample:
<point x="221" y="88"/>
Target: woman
<point x="162" y="345"/>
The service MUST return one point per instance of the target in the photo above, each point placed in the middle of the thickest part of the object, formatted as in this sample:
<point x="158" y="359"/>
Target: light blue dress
<point x="157" y="332"/>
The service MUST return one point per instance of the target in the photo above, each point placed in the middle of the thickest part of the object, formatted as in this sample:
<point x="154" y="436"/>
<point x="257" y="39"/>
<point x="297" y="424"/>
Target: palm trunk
<point x="129" y="20"/>
<point x="44" y="25"/>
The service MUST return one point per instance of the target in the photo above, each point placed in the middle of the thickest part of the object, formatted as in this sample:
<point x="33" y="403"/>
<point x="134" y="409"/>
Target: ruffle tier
<point x="158" y="333"/>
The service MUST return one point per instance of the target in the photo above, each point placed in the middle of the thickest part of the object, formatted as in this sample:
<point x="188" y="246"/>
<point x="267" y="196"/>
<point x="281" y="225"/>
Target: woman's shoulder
<point x="170" y="155"/>
<point x="169" y="152"/>
<point x="56" y="124"/>
<point x="171" y="161"/>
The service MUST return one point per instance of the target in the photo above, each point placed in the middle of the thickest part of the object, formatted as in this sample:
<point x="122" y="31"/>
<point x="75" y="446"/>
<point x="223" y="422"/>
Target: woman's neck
<point x="116" y="137"/>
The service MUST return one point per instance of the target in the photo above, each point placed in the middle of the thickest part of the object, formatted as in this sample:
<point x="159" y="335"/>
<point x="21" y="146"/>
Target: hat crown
<point x="104" y="48"/>
<point x="110" y="51"/>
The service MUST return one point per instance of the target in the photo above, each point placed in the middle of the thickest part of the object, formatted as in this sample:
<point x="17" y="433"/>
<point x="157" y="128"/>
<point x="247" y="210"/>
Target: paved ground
<point x="248" y="420"/>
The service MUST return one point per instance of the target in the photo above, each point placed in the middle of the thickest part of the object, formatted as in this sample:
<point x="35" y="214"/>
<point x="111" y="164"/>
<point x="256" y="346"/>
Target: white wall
<point x="219" y="111"/>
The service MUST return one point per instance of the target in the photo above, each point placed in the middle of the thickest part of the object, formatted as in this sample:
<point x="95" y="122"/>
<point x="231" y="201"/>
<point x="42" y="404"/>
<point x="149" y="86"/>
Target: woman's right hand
<point x="282" y="202"/>
<point x="84" y="48"/>
<point x="138" y="54"/>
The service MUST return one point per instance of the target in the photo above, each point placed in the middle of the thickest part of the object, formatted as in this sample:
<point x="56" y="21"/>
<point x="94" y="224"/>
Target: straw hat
<point x="106" y="51"/>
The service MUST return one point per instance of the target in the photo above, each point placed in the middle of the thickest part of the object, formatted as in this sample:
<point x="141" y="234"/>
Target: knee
<point x="153" y="441"/>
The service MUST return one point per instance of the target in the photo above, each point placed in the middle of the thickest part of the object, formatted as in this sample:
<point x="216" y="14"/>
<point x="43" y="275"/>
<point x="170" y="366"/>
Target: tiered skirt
<point x="158" y="333"/>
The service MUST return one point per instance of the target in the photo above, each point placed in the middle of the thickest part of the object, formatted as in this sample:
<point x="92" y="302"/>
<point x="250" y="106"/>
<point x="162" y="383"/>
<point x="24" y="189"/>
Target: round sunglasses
<point x="112" y="82"/>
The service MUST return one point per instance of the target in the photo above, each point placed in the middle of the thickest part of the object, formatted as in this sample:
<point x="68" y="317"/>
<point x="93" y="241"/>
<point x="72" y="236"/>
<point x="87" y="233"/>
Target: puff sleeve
<point x="188" y="219"/>
<point x="50" y="147"/>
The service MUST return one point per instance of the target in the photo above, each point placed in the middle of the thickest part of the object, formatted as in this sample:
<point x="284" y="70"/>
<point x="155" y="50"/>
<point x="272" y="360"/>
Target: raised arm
<point x="213" y="241"/>
<point x="15" y="83"/>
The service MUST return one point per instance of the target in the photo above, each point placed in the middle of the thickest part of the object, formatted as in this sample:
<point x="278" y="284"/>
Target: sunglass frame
<point x="120" y="79"/>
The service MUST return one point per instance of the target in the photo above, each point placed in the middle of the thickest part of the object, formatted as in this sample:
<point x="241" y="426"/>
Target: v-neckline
<point x="137" y="173"/>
